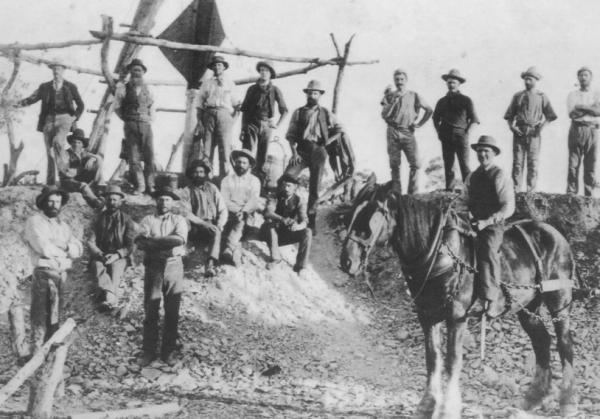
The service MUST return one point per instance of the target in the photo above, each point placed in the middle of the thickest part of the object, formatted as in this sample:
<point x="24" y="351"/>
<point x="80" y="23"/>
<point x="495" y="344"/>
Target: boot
<point x="209" y="271"/>
<point x="312" y="218"/>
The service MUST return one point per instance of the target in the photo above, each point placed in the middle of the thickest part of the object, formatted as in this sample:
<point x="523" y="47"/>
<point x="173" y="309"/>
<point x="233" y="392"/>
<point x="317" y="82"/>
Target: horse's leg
<point x="452" y="404"/>
<point x="540" y="340"/>
<point x="568" y="400"/>
<point x="433" y="361"/>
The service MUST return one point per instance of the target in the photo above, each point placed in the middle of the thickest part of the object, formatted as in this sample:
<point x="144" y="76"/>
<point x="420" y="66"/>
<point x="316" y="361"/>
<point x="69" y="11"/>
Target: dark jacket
<point x="259" y="103"/>
<point x="328" y="126"/>
<point x="115" y="237"/>
<point x="45" y="93"/>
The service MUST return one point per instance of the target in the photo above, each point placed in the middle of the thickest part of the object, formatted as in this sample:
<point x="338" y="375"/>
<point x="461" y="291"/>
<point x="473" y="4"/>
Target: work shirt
<point x="51" y="242"/>
<point x="218" y="93"/>
<point x="490" y="194"/>
<point x="530" y="108"/>
<point x="169" y="224"/>
<point x="205" y="202"/>
<point x="455" y="110"/>
<point x="112" y="233"/>
<point x="241" y="193"/>
<point x="77" y="161"/>
<point x="312" y="123"/>
<point x="400" y="110"/>
<point x="293" y="207"/>
<point x="259" y="103"/>
<point x="587" y="98"/>
<point x="134" y="103"/>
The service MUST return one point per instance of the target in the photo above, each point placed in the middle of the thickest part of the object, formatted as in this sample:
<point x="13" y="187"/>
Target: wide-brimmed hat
<point x="584" y="68"/>
<point x="165" y="191"/>
<point x="55" y="64"/>
<point x="267" y="64"/>
<point x="454" y="74"/>
<point x="113" y="190"/>
<point x="288" y="178"/>
<point x="136" y="61"/>
<point x="314" y="85"/>
<point x="78" y="134"/>
<point x="531" y="72"/>
<point x="218" y="59"/>
<point x="197" y="163"/>
<point x="51" y="190"/>
<point x="243" y="153"/>
<point x="486" y="141"/>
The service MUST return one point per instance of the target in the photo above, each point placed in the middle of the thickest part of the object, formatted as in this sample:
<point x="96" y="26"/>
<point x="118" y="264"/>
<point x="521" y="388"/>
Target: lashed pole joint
<point x="107" y="26"/>
<point x="15" y="150"/>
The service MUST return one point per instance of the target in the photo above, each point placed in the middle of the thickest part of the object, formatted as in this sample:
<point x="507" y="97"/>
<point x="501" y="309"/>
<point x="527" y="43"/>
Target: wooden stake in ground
<point x="15" y="150"/>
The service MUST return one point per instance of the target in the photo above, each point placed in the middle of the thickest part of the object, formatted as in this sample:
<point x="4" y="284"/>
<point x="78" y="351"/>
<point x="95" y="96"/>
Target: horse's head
<point x="371" y="224"/>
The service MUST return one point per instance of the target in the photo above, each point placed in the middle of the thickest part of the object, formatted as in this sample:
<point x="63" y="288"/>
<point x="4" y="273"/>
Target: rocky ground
<point x="260" y="343"/>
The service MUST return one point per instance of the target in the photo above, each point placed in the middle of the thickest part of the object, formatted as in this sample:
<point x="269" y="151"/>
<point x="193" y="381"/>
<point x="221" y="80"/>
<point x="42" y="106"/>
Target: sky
<point x="491" y="43"/>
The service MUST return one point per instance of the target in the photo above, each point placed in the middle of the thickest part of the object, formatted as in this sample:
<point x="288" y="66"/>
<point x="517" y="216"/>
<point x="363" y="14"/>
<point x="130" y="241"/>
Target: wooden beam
<point x="107" y="26"/>
<point x="48" y="45"/>
<point x="15" y="150"/>
<point x="35" y="361"/>
<point x="174" y="110"/>
<point x="340" y="75"/>
<point x="150" y="411"/>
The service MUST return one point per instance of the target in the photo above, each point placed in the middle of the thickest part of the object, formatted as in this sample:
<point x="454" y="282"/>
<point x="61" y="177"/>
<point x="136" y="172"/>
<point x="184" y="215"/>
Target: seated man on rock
<point x="206" y="211"/>
<point x="83" y="169"/>
<point x="286" y="223"/>
<point x="241" y="192"/>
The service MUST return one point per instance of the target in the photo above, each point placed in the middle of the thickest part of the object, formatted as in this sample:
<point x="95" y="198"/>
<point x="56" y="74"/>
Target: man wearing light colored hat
<point x="527" y="114"/>
<point x="583" y="106"/>
<point x="258" y="112"/>
<point x="134" y="104"/>
<point x="491" y="200"/>
<point x="61" y="108"/>
<point x="217" y="108"/>
<point x="453" y="118"/>
<point x="312" y="127"/>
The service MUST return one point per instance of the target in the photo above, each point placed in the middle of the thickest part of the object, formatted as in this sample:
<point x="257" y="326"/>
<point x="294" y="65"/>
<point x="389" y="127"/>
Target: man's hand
<point x="111" y="257"/>
<point x="74" y="125"/>
<point x="296" y="159"/>
<point x="272" y="124"/>
<point x="71" y="173"/>
<point x="239" y="215"/>
<point x="482" y="224"/>
<point x="90" y="163"/>
<point x="144" y="243"/>
<point x="516" y="130"/>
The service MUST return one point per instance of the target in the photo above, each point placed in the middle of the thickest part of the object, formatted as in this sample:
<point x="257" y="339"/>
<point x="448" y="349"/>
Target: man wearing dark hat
<point x="83" y="170"/>
<point x="134" y="104"/>
<point x="162" y="240"/>
<point x="52" y="248"/>
<point x="526" y="115"/>
<point x="206" y="211"/>
<point x="258" y="111"/>
<point x="453" y="118"/>
<point x="312" y="127"/>
<point x="400" y="110"/>
<point x="286" y="223"/>
<point x="241" y="193"/>
<point x="61" y="108"/>
<point x="111" y="244"/>
<point x="217" y="107"/>
<point x="583" y="106"/>
<point x="491" y="200"/>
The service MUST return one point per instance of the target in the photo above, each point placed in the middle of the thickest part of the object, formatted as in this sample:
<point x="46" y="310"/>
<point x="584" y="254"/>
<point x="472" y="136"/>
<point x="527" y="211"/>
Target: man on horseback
<point x="491" y="200"/>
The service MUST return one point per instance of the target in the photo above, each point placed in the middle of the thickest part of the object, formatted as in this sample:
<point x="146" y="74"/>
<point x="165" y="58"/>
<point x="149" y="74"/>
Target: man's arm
<point x="222" y="212"/>
<point x="118" y="100"/>
<point x="436" y="117"/>
<point x="427" y="112"/>
<point x="152" y="106"/>
<point x="34" y="97"/>
<point x="79" y="105"/>
<point x="471" y="115"/>
<point x="39" y="237"/>
<point x="94" y="249"/>
<point x="292" y="135"/>
<point x="252" y="203"/>
<point x="128" y="238"/>
<point x="282" y="107"/>
<point x="510" y="115"/>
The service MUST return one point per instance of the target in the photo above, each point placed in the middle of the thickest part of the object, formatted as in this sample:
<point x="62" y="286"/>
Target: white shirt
<point x="587" y="98"/>
<point x="213" y="94"/>
<point x="169" y="224"/>
<point x="241" y="193"/>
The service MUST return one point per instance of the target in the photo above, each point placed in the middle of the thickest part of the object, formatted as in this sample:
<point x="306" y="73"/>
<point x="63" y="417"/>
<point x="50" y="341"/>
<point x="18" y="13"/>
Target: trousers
<point x="489" y="241"/>
<point x="526" y="149"/>
<point x="399" y="141"/>
<point x="233" y="232"/>
<point x="46" y="305"/>
<point x="139" y="143"/>
<point x="218" y="124"/>
<point x="256" y="139"/>
<point x="582" y="148"/>
<point x="275" y="237"/>
<point x="455" y="143"/>
<point x="202" y="235"/>
<point x="313" y="156"/>
<point x="55" y="130"/>
<point x="109" y="278"/>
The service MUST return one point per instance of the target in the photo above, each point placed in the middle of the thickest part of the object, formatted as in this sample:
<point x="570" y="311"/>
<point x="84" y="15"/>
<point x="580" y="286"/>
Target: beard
<point x="240" y="170"/>
<point x="51" y="212"/>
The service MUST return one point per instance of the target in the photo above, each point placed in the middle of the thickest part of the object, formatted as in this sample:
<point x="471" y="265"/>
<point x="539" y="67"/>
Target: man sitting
<point x="241" y="192"/>
<point x="83" y="169"/>
<point x="206" y="211"/>
<point x="286" y="223"/>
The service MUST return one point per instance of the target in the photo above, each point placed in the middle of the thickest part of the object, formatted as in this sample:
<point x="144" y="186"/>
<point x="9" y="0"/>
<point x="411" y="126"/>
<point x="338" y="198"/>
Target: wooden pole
<point x="48" y="45"/>
<point x="37" y="360"/>
<point x="107" y="26"/>
<point x="340" y="75"/>
<point x="150" y="411"/>
<point x="15" y="149"/>
<point x="191" y="119"/>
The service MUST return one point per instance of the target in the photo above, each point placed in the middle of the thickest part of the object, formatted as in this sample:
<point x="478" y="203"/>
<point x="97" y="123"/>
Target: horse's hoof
<point x="568" y="410"/>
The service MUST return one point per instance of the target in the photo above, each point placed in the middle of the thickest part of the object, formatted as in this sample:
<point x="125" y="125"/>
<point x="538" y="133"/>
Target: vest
<point x="136" y="107"/>
<point x="289" y="208"/>
<point x="323" y="118"/>
<point x="483" y="197"/>
<point x="48" y="100"/>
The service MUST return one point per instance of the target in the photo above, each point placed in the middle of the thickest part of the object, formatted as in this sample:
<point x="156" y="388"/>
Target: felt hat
<point x="113" y="190"/>
<point x="454" y="74"/>
<point x="197" y="163"/>
<point x="51" y="190"/>
<point x="243" y="153"/>
<point x="531" y="72"/>
<point x="267" y="64"/>
<point x="218" y="59"/>
<point x="486" y="141"/>
<point x="53" y="64"/>
<point x="584" y="68"/>
<point x="136" y="61"/>
<point x="165" y="191"/>
<point x="314" y="85"/>
<point x="78" y="134"/>
<point x="288" y="178"/>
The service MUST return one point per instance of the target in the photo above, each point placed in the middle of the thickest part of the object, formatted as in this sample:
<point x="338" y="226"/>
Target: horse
<point x="436" y="249"/>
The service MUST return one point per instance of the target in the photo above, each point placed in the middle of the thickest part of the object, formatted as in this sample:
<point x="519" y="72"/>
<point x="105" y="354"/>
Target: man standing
<point x="134" y="104"/>
<point x="83" y="169"/>
<point x="491" y="200"/>
<point x="217" y="108"/>
<point x="110" y="244"/>
<point x="400" y="110"/>
<point x="526" y="115"/>
<point x="453" y="118"/>
<point x="312" y="128"/>
<point x="286" y="223"/>
<point x="258" y="111"/>
<point x="206" y="212"/>
<point x="52" y="247"/>
<point x="61" y="108"/>
<point x="241" y="192"/>
<point x="583" y="106"/>
<point x="162" y="239"/>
